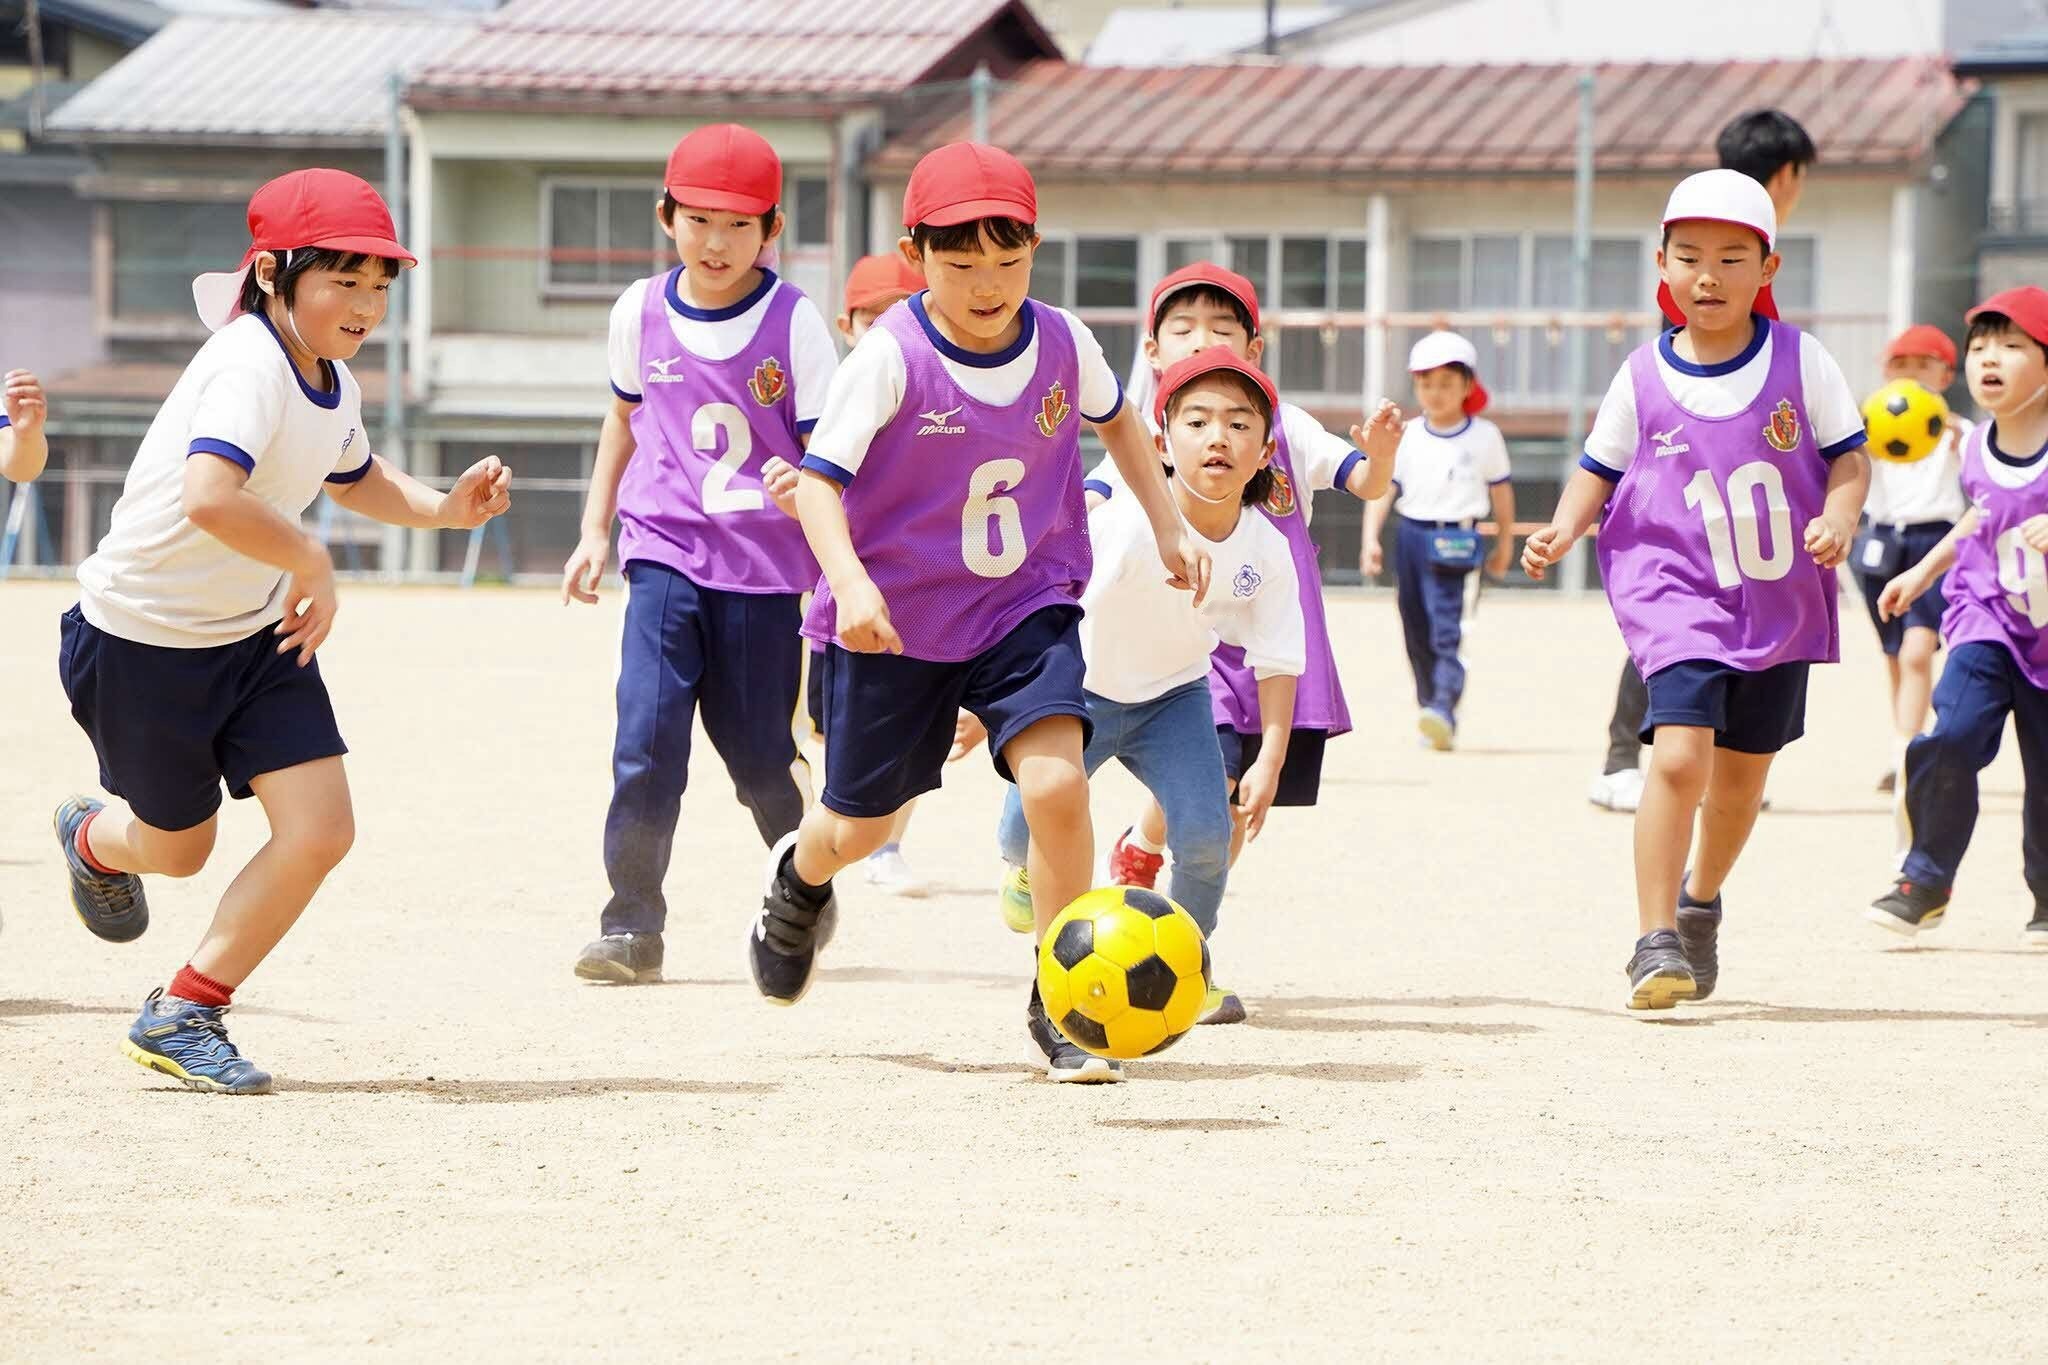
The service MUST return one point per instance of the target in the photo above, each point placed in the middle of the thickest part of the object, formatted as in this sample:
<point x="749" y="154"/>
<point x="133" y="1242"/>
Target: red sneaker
<point x="1130" y="865"/>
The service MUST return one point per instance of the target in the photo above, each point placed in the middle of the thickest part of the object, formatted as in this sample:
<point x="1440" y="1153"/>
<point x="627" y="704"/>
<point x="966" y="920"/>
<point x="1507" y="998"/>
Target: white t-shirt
<point x="1322" y="459"/>
<point x="159" y="580"/>
<point x="868" y="389"/>
<point x="1142" y="638"/>
<point x="722" y="333"/>
<point x="1926" y="490"/>
<point x="1448" y="475"/>
<point x="1724" y="390"/>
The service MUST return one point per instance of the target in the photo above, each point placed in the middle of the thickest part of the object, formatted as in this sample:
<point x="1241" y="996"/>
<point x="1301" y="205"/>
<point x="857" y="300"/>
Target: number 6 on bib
<point x="989" y="518"/>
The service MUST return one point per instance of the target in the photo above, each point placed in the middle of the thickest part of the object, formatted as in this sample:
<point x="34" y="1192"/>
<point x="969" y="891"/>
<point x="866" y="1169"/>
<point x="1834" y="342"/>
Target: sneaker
<point x="189" y="1043"/>
<point x="2037" y="927"/>
<point x="888" y="871"/>
<point x="1699" y="923"/>
<point x="1658" y="974"/>
<point x="1437" y="728"/>
<point x="623" y="959"/>
<point x="1622" y="791"/>
<point x="1016" y="901"/>
<point x="1908" y="908"/>
<point x="111" y="904"/>
<point x="1130" y="865"/>
<point x="1221" y="1007"/>
<point x="1066" y="1061"/>
<point x="783" y="948"/>
<point x="1889" y="783"/>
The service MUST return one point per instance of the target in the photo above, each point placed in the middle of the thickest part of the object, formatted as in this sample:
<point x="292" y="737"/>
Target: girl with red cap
<point x="1996" y="624"/>
<point x="189" y="659"/>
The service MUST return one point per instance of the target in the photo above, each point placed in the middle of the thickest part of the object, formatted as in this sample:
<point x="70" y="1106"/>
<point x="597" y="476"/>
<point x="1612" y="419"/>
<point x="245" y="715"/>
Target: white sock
<point x="1138" y="840"/>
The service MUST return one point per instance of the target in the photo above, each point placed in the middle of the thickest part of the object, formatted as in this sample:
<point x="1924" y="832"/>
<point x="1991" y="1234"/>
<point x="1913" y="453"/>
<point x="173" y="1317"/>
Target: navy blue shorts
<point x="814" y="690"/>
<point x="889" y="718"/>
<point x="1751" y="713"/>
<point x="170" y="725"/>
<point x="1913" y="543"/>
<point x="1301" y="776"/>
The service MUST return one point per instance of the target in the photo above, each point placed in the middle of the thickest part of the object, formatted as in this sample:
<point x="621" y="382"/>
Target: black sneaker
<point x="1908" y="908"/>
<point x="1699" y="923"/>
<point x="623" y="959"/>
<point x="2037" y="927"/>
<point x="1658" y="975"/>
<point x="1065" y="1061"/>
<point x="111" y="904"/>
<point x="784" y="944"/>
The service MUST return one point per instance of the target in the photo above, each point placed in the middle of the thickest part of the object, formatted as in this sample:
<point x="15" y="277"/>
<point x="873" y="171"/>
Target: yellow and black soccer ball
<point x="1123" y="972"/>
<point x="1904" y="422"/>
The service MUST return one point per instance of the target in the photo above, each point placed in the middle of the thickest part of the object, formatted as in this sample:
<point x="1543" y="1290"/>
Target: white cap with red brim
<point x="1724" y="197"/>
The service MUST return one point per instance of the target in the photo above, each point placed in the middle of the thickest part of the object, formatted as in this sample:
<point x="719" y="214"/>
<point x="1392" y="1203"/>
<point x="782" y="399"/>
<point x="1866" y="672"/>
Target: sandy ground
<point x="1441" y="1137"/>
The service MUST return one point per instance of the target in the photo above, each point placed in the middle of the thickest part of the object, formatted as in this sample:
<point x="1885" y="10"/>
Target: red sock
<point x="201" y="989"/>
<point x="84" y="847"/>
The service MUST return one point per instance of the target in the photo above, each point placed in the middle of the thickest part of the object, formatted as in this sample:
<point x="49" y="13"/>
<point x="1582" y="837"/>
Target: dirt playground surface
<point x="1440" y="1137"/>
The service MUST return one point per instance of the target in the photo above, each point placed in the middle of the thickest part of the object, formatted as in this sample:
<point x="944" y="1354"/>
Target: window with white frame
<point x="1096" y="278"/>
<point x="1302" y="273"/>
<point x="807" y="209"/>
<point x="600" y="235"/>
<point x="1797" y="287"/>
<point x="159" y="245"/>
<point x="2030" y="173"/>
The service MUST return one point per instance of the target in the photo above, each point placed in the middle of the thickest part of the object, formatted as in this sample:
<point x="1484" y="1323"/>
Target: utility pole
<point x="1575" y="576"/>
<point x="979" y="86"/>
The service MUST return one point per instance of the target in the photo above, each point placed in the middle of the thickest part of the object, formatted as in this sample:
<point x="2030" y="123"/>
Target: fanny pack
<point x="1877" y="553"/>
<point x="1453" y="549"/>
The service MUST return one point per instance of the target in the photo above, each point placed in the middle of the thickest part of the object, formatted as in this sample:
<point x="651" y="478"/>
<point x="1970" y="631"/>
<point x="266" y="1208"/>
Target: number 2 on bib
<point x="2023" y="573"/>
<point x="1736" y="542"/>
<point x="989" y="516"/>
<point x="719" y="494"/>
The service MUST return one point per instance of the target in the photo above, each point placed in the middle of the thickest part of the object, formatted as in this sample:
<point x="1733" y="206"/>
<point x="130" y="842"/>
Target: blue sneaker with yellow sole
<point x="111" y="904"/>
<point x="189" y="1043"/>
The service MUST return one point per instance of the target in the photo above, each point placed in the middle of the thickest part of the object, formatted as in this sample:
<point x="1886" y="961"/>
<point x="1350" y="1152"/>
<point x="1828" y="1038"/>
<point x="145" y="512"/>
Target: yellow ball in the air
<point x="1904" y="422"/>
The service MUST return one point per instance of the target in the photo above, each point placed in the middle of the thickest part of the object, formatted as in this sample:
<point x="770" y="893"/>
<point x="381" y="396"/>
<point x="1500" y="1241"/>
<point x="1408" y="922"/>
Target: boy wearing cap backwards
<point x="1148" y="646"/>
<point x="1452" y="469"/>
<point x="873" y="286"/>
<point x="1196" y="307"/>
<point x="717" y="367"/>
<point x="24" y="449"/>
<point x="943" y="497"/>
<point x="1911" y="508"/>
<point x="1728" y="455"/>
<point x="1996" y="625"/>
<point x="189" y="658"/>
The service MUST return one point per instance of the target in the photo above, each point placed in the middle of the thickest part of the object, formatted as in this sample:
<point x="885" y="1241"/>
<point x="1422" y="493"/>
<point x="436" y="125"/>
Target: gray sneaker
<point x="1699" y="925"/>
<point x="622" y="959"/>
<point x="1658" y="975"/>
<point x="111" y="904"/>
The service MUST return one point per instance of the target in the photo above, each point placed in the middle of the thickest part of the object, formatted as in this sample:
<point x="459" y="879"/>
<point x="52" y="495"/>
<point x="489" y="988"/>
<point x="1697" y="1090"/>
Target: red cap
<point x="1184" y="372"/>
<point x="876" y="281"/>
<point x="1922" y="340"/>
<point x="724" y="166"/>
<point x="963" y="181"/>
<point x="311" y="208"/>
<point x="2027" y="306"/>
<point x="1215" y="277"/>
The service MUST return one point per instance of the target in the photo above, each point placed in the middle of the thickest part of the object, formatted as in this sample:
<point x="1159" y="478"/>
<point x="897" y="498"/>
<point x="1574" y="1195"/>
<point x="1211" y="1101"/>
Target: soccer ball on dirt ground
<point x="1904" y="421"/>
<point x="1123" y="972"/>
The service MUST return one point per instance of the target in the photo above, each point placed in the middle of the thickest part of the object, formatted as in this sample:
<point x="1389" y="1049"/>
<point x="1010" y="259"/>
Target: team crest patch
<point x="769" y="383"/>
<point x="1782" y="431"/>
<point x="1280" y="502"/>
<point x="1053" y="409"/>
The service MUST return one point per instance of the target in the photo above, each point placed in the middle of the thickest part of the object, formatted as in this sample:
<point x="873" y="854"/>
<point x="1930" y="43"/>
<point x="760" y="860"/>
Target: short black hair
<point x="1997" y="325"/>
<point x="1763" y="142"/>
<point x="1205" y="294"/>
<point x="1260" y="486"/>
<point x="1009" y="234"/>
<point x="669" y="205"/>
<point x="301" y="261"/>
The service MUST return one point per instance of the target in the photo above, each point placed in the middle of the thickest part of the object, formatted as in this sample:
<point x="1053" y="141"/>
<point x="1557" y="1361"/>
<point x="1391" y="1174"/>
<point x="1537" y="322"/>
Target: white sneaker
<point x="1622" y="791"/>
<point x="888" y="871"/>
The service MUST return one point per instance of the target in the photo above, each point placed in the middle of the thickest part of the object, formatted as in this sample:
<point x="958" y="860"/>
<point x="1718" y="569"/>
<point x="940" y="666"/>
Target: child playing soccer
<point x="1195" y="307"/>
<point x="717" y="368"/>
<point x="24" y="449"/>
<point x="942" y="494"/>
<point x="873" y="286"/>
<point x="1996" y="624"/>
<point x="1147" y="646"/>
<point x="1912" y="507"/>
<point x="1728" y="455"/>
<point x="1452" y="469"/>
<point x="173" y="658"/>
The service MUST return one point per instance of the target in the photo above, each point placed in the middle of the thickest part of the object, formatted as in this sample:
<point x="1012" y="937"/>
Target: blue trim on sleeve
<point x="1845" y="445"/>
<point x="354" y="475"/>
<point x="1495" y="483"/>
<point x="1344" y="469"/>
<point x="1027" y="318"/>
<point x="1114" y="408"/>
<point x="227" y="450"/>
<point x="806" y="426"/>
<point x="1593" y="466"/>
<point x="817" y="464"/>
<point x="725" y="314"/>
<point x="1098" y="486"/>
<point x="5" y="421"/>
<point x="629" y="397"/>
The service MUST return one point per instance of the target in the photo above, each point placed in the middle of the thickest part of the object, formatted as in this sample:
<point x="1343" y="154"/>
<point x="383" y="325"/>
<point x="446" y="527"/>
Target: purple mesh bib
<point x="1998" y="590"/>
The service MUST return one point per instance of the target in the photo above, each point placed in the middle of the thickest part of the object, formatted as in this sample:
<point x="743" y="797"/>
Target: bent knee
<point x="185" y="858"/>
<point x="323" y="845"/>
<point x="1048" y="787"/>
